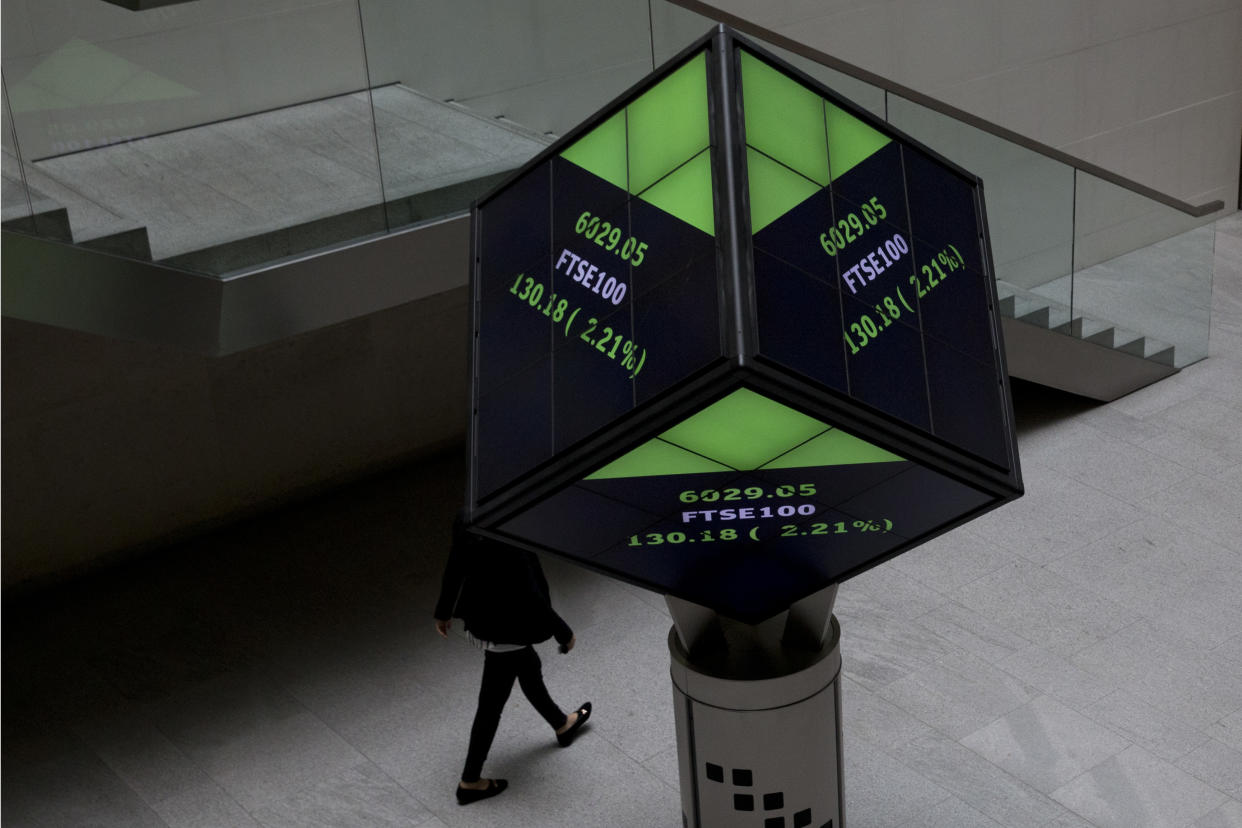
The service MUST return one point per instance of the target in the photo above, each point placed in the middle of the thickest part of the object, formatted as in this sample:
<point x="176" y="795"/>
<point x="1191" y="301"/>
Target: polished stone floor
<point x="1073" y="659"/>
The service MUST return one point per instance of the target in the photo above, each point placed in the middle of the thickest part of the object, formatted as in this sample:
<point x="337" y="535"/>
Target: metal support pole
<point x="758" y="714"/>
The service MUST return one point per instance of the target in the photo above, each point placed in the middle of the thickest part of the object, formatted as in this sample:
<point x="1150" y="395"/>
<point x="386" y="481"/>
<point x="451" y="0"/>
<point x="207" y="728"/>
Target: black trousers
<point x="499" y="672"/>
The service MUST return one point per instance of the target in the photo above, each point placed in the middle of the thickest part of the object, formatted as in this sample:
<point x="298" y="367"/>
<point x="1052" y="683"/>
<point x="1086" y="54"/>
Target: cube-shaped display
<point x="735" y="339"/>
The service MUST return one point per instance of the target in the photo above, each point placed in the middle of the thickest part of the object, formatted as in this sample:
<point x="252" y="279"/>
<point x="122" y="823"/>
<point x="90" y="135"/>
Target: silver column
<point x="758" y="713"/>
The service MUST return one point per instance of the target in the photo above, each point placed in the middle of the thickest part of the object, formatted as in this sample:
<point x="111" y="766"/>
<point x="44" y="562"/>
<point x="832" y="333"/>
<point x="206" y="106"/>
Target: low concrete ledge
<point x="70" y="286"/>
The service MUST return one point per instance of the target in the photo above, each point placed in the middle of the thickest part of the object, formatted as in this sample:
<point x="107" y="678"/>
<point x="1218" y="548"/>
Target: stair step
<point x="1084" y="327"/>
<point x="1164" y="355"/>
<point x="132" y="244"/>
<point x="1041" y="317"/>
<point x="1113" y="337"/>
<point x="1022" y="305"/>
<point x="50" y="224"/>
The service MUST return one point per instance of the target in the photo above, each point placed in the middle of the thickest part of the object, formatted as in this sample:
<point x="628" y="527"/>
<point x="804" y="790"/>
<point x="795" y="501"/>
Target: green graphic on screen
<point x="797" y="141"/>
<point x="656" y="148"/>
<point x="745" y="431"/>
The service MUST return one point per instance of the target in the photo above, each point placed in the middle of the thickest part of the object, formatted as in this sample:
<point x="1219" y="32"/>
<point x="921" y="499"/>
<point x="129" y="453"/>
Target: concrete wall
<point x="112" y="445"/>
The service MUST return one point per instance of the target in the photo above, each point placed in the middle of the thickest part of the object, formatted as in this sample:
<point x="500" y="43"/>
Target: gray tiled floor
<point x="1074" y="659"/>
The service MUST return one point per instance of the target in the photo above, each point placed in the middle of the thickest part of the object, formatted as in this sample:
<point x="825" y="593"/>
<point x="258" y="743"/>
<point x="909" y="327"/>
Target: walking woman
<point x="501" y="595"/>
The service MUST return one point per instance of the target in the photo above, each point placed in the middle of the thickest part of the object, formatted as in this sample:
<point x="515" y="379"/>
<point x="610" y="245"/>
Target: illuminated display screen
<point x="597" y="271"/>
<point x="840" y="286"/>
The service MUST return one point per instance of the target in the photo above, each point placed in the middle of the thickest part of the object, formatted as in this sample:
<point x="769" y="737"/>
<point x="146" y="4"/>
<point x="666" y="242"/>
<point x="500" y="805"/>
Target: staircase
<point x="1046" y="343"/>
<point x="224" y="197"/>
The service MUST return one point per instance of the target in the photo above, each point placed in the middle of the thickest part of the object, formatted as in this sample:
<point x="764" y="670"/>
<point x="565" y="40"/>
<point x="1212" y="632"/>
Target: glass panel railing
<point x="1029" y="202"/>
<point x="1076" y="248"/>
<point x="1143" y="268"/>
<point x="673" y="28"/>
<point x="15" y="197"/>
<point x="466" y="91"/>
<point x="217" y="135"/>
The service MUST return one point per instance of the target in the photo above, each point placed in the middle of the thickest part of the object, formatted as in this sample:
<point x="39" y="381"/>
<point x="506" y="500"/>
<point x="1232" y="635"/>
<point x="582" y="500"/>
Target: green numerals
<point x="791" y="530"/>
<point x="852" y="226"/>
<point x="674" y="538"/>
<point x="608" y="236"/>
<point x="748" y="493"/>
<point x="937" y="269"/>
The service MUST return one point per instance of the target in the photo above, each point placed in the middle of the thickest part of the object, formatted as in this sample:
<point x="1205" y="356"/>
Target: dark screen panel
<point x="799" y="321"/>
<point x="676" y="328"/>
<point x="592" y="384"/>
<point x="886" y="367"/>
<point x="794" y="238"/>
<point x="515" y="231"/>
<point x="666" y="245"/>
<point x="874" y="190"/>
<point x="747" y="555"/>
<point x="513" y="426"/>
<point x="967" y="405"/>
<point x="942" y="207"/>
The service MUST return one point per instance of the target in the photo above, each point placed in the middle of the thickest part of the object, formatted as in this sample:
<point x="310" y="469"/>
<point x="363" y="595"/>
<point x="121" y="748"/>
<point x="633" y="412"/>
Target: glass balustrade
<point x="15" y="197"/>
<point x="1029" y="200"/>
<point x="1142" y="267"/>
<point x="210" y="136"/>
<point x="220" y="136"/>
<point x="466" y="91"/>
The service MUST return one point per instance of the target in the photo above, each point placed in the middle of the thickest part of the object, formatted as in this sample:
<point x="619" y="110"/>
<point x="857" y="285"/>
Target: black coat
<point x="499" y="592"/>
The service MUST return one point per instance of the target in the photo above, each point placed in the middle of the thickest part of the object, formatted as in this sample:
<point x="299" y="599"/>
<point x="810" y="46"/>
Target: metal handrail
<point x="755" y="30"/>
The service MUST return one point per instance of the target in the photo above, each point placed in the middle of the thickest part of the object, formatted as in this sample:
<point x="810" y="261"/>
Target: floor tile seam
<point x="1168" y="429"/>
<point x="1155" y="760"/>
<point x="1126" y="575"/>
<point x="1008" y="544"/>
<point x="1210" y="427"/>
<point x="1206" y="737"/>
<point x="1128" y="743"/>
<point x="913" y="821"/>
<point x="1176" y="514"/>
<point x="1207" y="442"/>
<point x="189" y="760"/>
<point x="285" y="794"/>
<point x="1009" y="631"/>
<point x="946" y="734"/>
<point x="1178" y="764"/>
<point x="1021" y="784"/>
<point x="1077" y="707"/>
<point x="1083" y="477"/>
<point x="1076" y="589"/>
<point x="179" y="172"/>
<point x="1162" y="705"/>
<point x="615" y="745"/>
<point x="153" y="804"/>
<point x="675" y="785"/>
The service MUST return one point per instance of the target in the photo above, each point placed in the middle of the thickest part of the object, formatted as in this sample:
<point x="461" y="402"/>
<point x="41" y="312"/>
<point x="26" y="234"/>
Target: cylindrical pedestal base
<point x="763" y="752"/>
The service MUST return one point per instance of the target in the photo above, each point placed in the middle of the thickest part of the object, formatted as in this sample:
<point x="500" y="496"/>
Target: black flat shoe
<point x="567" y="738"/>
<point x="467" y="795"/>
